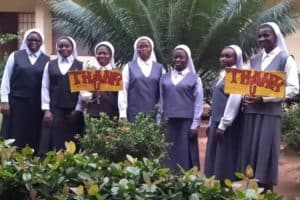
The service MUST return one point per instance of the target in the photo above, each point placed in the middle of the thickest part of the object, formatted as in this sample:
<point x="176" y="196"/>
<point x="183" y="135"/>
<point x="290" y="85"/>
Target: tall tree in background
<point x="204" y="25"/>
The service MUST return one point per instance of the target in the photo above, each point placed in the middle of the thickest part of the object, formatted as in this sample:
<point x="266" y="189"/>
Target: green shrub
<point x="113" y="140"/>
<point x="291" y="127"/>
<point x="4" y="38"/>
<point x="83" y="176"/>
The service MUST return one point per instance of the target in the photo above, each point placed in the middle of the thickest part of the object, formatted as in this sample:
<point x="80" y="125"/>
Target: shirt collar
<point x="106" y="67"/>
<point x="272" y="53"/>
<point x="147" y="62"/>
<point x="183" y="72"/>
<point x="67" y="60"/>
<point x="35" y="54"/>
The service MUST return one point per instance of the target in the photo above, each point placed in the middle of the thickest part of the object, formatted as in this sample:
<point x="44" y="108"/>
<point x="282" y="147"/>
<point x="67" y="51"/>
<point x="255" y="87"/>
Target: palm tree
<point x="204" y="25"/>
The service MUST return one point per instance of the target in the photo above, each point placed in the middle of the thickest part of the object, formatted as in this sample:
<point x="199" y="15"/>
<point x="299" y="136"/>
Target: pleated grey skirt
<point x="62" y="129"/>
<point x="184" y="150"/>
<point x="260" y="146"/>
<point x="24" y="122"/>
<point x="221" y="156"/>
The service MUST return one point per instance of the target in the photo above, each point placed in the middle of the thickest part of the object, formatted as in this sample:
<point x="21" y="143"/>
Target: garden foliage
<point x="113" y="140"/>
<point x="67" y="175"/>
<point x="291" y="127"/>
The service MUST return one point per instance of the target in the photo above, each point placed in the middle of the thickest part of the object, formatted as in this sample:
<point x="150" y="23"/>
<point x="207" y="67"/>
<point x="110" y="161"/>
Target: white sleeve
<point x="5" y="84"/>
<point x="45" y="89"/>
<point x="292" y="81"/>
<point x="122" y="95"/>
<point x="231" y="111"/>
<point x="160" y="104"/>
<point x="85" y="95"/>
<point x="79" y="106"/>
<point x="198" y="105"/>
<point x="163" y="71"/>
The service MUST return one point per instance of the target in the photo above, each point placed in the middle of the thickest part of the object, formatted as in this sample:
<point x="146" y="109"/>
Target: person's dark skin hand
<point x="73" y="116"/>
<point x="193" y="133"/>
<point x="252" y="99"/>
<point x="5" y="108"/>
<point x="219" y="134"/>
<point x="123" y="120"/>
<point x="48" y="117"/>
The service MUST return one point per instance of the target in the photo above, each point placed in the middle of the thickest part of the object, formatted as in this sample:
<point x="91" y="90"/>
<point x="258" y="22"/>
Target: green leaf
<point x="27" y="151"/>
<point x="146" y="178"/>
<point x="239" y="175"/>
<point x="26" y="177"/>
<point x="228" y="183"/>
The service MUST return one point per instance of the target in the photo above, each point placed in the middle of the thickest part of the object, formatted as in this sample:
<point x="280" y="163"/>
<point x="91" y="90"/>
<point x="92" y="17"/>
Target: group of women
<point x="40" y="111"/>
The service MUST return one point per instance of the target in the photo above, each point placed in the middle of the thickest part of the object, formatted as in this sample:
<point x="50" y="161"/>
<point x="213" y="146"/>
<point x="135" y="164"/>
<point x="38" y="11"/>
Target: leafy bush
<point x="291" y="126"/>
<point x="3" y="39"/>
<point x="66" y="175"/>
<point x="208" y="78"/>
<point x="113" y="140"/>
<point x="292" y="101"/>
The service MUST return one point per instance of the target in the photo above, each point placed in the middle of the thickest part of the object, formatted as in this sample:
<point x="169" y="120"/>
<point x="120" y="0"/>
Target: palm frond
<point x="205" y="25"/>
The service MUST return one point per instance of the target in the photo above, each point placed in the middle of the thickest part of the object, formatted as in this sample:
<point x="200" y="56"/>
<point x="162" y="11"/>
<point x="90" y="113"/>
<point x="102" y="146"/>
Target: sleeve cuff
<point x="4" y="98"/>
<point x="222" y="126"/>
<point x="86" y="96"/>
<point x="271" y="99"/>
<point x="195" y="124"/>
<point x="123" y="114"/>
<point x="45" y="107"/>
<point x="78" y="107"/>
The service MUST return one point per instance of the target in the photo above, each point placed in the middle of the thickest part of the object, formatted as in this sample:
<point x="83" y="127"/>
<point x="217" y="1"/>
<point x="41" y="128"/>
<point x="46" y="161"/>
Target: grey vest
<point x="143" y="92"/>
<point x="26" y="79"/>
<point x="60" y="92"/>
<point x="108" y="104"/>
<point x="178" y="100"/>
<point x="219" y="100"/>
<point x="277" y="64"/>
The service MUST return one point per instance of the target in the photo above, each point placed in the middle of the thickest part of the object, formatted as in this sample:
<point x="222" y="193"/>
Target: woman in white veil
<point x="21" y="91"/>
<point x="182" y="104"/>
<point x="141" y="78"/>
<point x="223" y="134"/>
<point x="261" y="128"/>
<point x="102" y="102"/>
<point x="63" y="117"/>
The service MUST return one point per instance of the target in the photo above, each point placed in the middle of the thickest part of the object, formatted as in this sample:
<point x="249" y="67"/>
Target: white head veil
<point x="74" y="52"/>
<point x="190" y="63"/>
<point x="239" y="56"/>
<point x="280" y="38"/>
<point x="136" y="55"/>
<point x="24" y="41"/>
<point x="112" y="49"/>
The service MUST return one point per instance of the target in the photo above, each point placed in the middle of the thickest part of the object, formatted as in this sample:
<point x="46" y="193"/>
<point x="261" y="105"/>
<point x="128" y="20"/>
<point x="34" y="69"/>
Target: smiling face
<point x="144" y="49"/>
<point x="266" y="38"/>
<point x="34" y="41"/>
<point x="227" y="57"/>
<point x="65" y="47"/>
<point x="180" y="59"/>
<point x="103" y="55"/>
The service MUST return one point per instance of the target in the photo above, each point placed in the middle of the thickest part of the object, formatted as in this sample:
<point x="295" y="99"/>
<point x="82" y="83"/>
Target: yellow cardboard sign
<point x="255" y="83"/>
<point x="95" y="80"/>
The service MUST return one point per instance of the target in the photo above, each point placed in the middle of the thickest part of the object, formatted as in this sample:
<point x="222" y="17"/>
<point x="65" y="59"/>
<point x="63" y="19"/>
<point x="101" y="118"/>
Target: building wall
<point x="293" y="46"/>
<point x="42" y="15"/>
<point x="17" y="5"/>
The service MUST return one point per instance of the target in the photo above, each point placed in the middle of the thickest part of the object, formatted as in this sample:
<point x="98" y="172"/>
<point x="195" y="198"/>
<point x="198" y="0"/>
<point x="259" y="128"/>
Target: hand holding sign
<point x="252" y="99"/>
